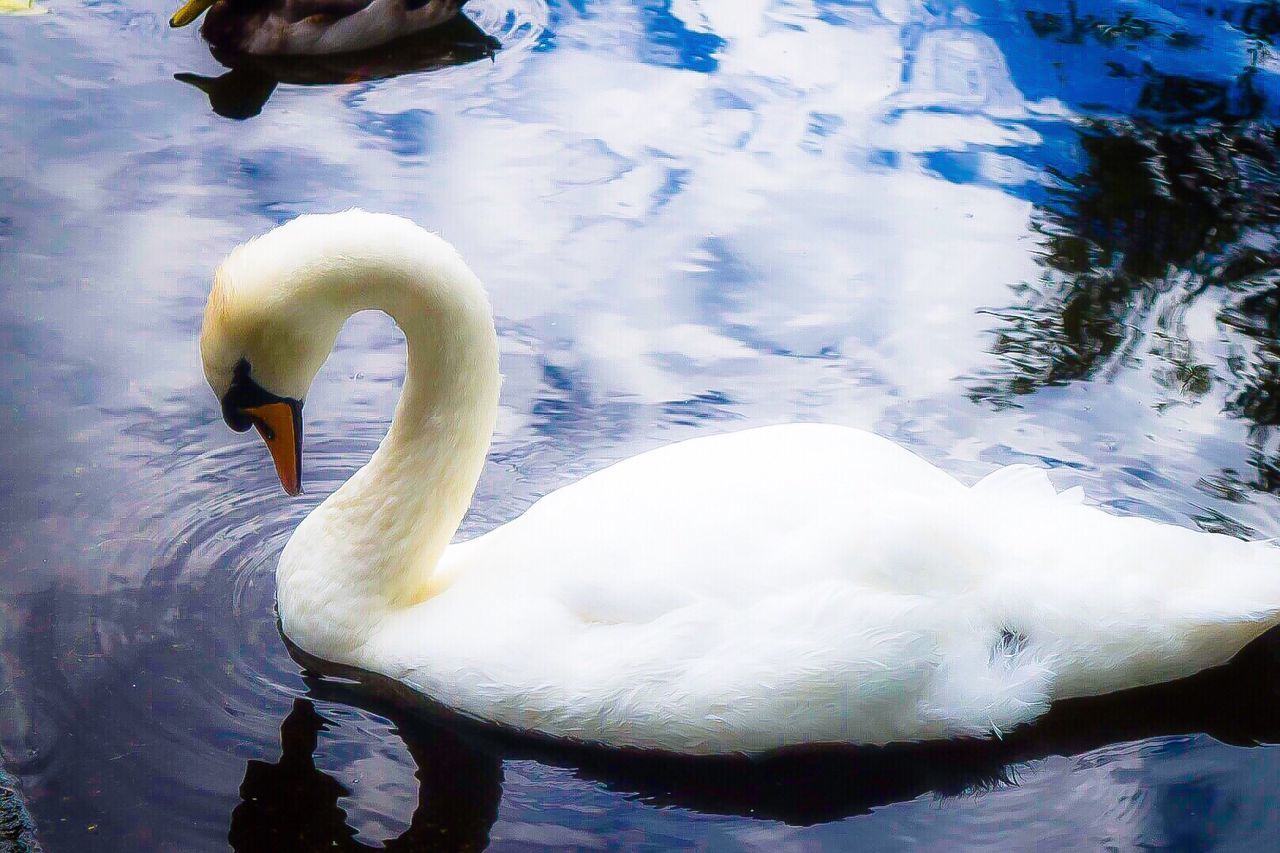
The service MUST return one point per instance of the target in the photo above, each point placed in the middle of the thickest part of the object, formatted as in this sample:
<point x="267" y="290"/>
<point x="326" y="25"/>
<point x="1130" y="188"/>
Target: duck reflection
<point x="249" y="82"/>
<point x="292" y="805"/>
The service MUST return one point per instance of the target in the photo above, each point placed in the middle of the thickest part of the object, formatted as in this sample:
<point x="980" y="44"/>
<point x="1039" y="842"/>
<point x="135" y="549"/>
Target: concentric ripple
<point x="157" y="692"/>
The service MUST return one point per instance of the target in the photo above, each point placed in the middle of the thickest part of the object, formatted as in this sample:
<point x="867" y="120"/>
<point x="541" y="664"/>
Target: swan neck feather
<point x="376" y="541"/>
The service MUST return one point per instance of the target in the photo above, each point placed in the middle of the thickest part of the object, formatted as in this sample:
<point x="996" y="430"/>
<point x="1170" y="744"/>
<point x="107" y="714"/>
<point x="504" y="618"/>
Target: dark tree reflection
<point x="1176" y="202"/>
<point x="1154" y="213"/>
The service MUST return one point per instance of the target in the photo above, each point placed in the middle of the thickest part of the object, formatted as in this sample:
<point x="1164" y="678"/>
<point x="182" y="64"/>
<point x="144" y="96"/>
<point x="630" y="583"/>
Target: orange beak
<point x="279" y="424"/>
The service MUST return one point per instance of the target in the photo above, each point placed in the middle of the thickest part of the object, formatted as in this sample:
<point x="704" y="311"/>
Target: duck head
<point x="230" y="24"/>
<point x="189" y="12"/>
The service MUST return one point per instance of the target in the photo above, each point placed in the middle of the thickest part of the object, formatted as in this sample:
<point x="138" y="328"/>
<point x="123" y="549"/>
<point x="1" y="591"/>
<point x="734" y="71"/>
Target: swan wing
<point x="1025" y="482"/>
<point x="828" y="663"/>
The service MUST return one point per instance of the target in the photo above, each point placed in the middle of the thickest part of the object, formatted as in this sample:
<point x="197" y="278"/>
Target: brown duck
<point x="310" y="27"/>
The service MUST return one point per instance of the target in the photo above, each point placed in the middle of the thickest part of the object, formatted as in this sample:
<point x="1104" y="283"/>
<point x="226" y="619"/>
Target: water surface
<point x="994" y="231"/>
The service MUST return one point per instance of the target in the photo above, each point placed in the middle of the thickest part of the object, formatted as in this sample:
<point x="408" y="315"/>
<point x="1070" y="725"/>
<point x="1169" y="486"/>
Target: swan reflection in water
<point x="293" y="805"/>
<point x="243" y="90"/>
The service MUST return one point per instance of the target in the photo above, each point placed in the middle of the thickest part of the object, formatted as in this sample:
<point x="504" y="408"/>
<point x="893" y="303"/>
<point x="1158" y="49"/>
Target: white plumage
<point x="777" y="586"/>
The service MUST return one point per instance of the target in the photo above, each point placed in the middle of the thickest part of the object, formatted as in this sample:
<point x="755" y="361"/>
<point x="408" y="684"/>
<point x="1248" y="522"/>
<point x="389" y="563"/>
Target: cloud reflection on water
<point x="692" y="216"/>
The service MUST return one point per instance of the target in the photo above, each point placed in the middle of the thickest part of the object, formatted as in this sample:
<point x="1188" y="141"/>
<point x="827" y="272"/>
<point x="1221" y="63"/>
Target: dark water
<point x="1043" y="230"/>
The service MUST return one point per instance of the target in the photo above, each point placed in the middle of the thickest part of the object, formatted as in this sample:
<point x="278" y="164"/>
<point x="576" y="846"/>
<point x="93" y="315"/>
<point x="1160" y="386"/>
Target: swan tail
<point x="1222" y="595"/>
<point x="1229" y="581"/>
<point x="1202" y="578"/>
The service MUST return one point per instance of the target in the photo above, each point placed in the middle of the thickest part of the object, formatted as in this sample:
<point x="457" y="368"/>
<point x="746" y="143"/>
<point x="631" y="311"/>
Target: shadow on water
<point x="293" y="805"/>
<point x="249" y="82"/>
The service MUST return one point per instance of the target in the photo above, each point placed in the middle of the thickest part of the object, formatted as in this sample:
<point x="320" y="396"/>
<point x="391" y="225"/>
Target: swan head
<point x="279" y="301"/>
<point x="270" y="323"/>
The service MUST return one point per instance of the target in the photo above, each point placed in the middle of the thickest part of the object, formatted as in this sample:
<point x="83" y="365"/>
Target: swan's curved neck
<point x="379" y="537"/>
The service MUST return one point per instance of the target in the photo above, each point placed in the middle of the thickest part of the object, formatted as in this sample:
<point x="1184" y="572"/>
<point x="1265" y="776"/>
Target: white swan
<point x="730" y="594"/>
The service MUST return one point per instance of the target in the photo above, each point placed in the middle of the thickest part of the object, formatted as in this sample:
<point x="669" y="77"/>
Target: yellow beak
<point x="189" y="12"/>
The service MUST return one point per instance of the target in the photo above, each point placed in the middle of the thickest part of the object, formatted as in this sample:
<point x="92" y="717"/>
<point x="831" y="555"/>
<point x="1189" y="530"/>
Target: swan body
<point x="311" y="27"/>
<point x="738" y="593"/>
